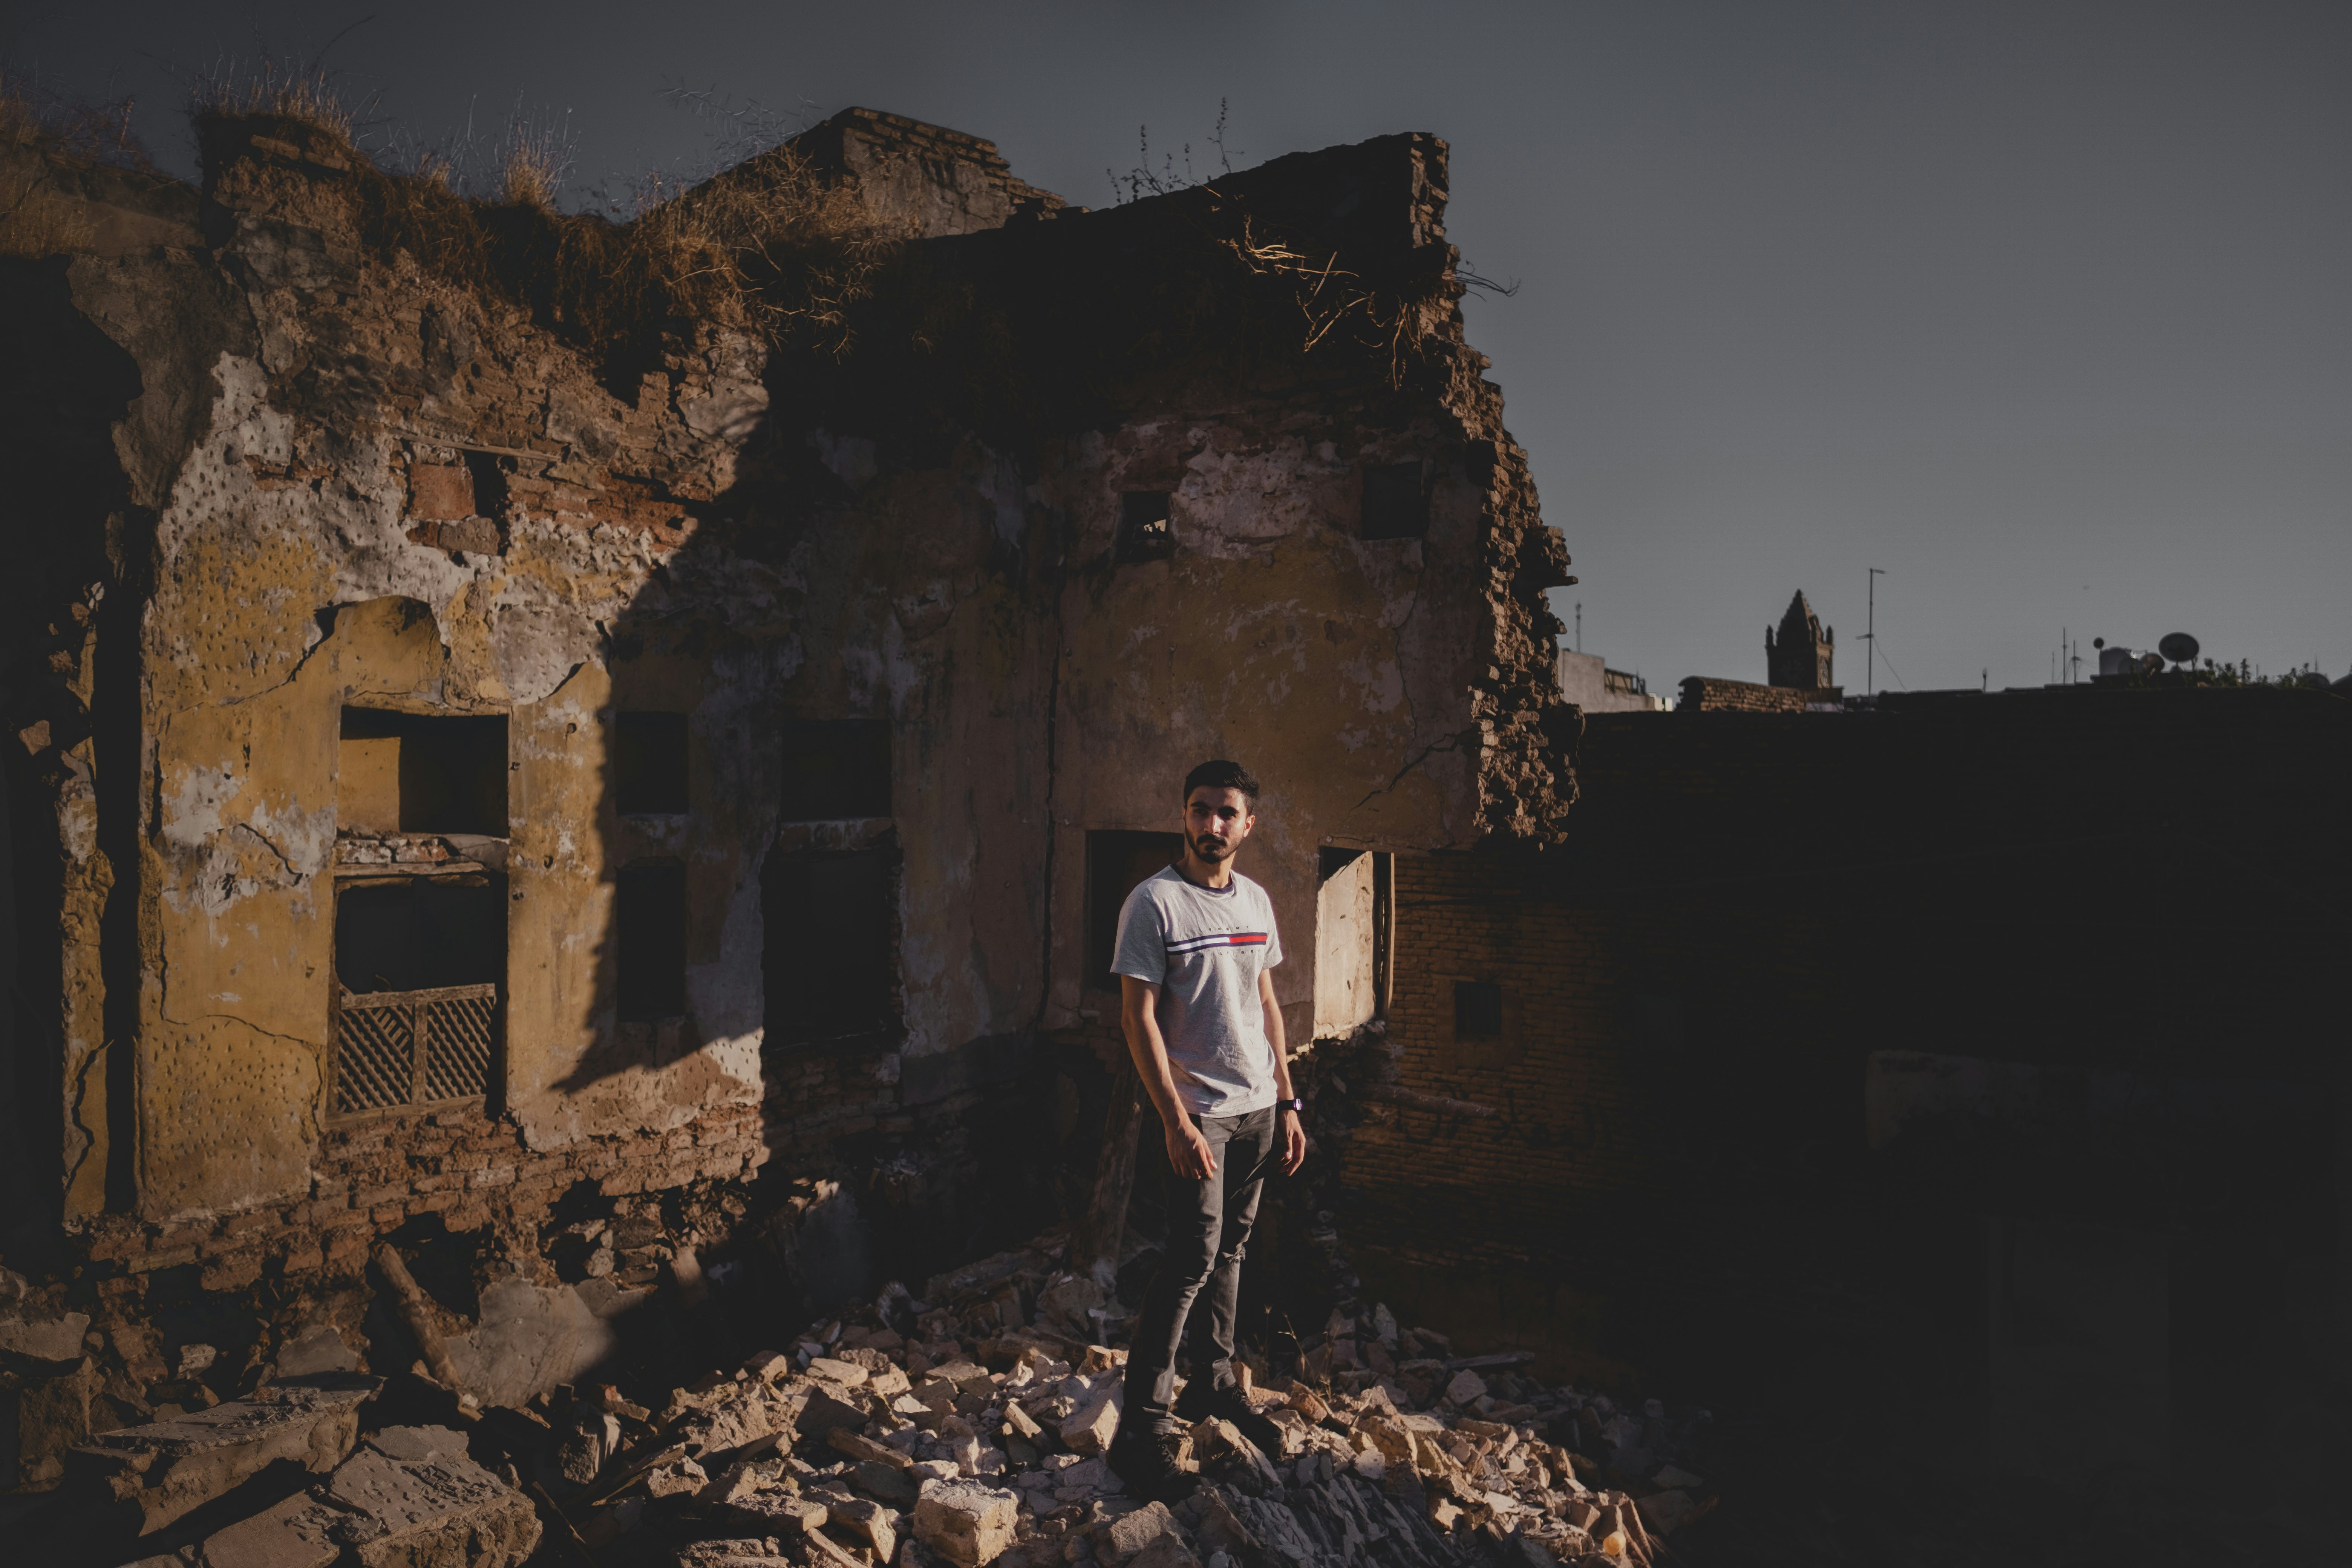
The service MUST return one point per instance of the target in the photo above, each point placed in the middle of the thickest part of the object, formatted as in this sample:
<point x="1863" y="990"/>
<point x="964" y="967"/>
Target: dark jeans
<point x="1208" y="1229"/>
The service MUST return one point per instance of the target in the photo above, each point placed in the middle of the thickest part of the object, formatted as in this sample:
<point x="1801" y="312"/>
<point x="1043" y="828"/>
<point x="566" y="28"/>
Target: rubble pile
<point x="972" y="1426"/>
<point x="967" y="1426"/>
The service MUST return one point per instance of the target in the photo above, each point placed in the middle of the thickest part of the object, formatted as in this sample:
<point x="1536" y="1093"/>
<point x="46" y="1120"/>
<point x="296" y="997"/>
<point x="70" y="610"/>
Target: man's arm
<point x="1139" y="1015"/>
<point x="1293" y="1135"/>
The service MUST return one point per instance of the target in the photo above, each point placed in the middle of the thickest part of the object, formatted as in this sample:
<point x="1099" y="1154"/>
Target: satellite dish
<point x="2178" y="646"/>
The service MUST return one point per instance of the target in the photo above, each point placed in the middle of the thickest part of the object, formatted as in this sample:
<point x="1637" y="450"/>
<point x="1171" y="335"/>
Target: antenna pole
<point x="1580" y="626"/>
<point x="1870" y="658"/>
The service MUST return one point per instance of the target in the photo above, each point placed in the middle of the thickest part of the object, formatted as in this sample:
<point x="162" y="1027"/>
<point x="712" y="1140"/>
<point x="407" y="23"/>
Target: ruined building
<point x="621" y="791"/>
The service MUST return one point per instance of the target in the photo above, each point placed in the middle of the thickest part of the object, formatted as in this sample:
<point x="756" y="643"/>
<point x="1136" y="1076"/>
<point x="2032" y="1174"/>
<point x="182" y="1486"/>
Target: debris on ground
<point x="964" y="1427"/>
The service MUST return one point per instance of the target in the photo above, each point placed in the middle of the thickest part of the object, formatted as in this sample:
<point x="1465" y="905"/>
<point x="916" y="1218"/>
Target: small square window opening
<point x="417" y="773"/>
<point x="1147" y="529"/>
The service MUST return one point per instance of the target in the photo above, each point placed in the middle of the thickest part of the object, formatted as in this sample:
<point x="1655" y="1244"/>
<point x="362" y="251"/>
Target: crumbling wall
<point x="321" y="472"/>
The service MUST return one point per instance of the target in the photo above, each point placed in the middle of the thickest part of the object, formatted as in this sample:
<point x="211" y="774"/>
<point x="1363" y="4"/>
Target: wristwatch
<point x="1297" y="1105"/>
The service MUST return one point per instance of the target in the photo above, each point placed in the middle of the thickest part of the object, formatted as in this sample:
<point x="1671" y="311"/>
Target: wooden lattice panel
<point x="404" y="1050"/>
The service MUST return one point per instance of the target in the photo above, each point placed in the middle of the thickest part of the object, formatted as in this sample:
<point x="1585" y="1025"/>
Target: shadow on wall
<point x="64" y="387"/>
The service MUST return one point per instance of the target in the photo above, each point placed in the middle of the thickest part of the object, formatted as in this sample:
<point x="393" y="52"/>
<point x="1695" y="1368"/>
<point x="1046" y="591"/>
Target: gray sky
<point x="2040" y="306"/>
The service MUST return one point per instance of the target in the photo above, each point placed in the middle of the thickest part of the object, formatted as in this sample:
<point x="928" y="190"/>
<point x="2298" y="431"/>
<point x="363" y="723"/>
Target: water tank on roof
<point x="2117" y="661"/>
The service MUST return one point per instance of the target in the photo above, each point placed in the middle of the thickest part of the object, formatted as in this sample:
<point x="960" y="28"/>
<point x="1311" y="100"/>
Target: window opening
<point x="417" y="965"/>
<point x="649" y="764"/>
<point x="1478" y="1009"/>
<point x="1115" y="862"/>
<point x="1396" y="503"/>
<point x="1147" y="529"/>
<point x="417" y="772"/>
<point x="836" y="770"/>
<point x="649" y="940"/>
<point x="832" y="924"/>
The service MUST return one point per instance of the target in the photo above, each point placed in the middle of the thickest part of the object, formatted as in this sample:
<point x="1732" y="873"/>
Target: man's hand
<point x="1294" y="1142"/>
<point x="1188" y="1152"/>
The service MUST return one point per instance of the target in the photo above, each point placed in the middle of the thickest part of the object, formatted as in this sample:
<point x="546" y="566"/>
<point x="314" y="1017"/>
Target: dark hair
<point x="1221" y="774"/>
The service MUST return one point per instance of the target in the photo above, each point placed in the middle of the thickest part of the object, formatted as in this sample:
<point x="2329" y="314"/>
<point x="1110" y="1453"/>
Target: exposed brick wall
<point x="1703" y="694"/>
<point x="1569" y="1122"/>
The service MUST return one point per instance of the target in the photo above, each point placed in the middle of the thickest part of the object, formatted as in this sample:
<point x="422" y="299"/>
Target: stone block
<point x="870" y="1522"/>
<point x="827" y="1408"/>
<point x="422" y="1503"/>
<point x="141" y="1479"/>
<point x="27" y="1330"/>
<point x="292" y="1534"/>
<point x="1130" y="1533"/>
<point x="964" y="1521"/>
<point x="1091" y="1427"/>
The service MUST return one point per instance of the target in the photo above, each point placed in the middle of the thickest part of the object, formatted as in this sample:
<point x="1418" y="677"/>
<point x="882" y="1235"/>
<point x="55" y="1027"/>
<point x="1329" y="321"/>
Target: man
<point x="1196" y="951"/>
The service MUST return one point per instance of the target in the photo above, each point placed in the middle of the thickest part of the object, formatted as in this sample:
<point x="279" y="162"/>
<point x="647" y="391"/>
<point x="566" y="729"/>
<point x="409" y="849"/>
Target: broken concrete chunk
<point x="732" y="1484"/>
<point x="1466" y="1387"/>
<point x="825" y="1410"/>
<point x="43" y="1339"/>
<point x="732" y="1425"/>
<point x="1220" y="1442"/>
<point x="676" y="1480"/>
<point x="1130" y="1533"/>
<point x="144" y="1477"/>
<point x="1090" y="1429"/>
<point x="849" y="1374"/>
<point x="966" y="1377"/>
<point x="776" y="1513"/>
<point x="293" y="1534"/>
<point x="881" y="1481"/>
<point x="870" y="1522"/>
<point x="964" y="1521"/>
<point x="423" y="1513"/>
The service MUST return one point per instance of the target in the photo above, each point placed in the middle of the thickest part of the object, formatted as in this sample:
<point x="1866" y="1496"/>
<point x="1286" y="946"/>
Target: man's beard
<point x="1209" y="849"/>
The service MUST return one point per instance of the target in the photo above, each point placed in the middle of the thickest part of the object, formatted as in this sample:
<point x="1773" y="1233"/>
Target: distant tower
<point x="1801" y="655"/>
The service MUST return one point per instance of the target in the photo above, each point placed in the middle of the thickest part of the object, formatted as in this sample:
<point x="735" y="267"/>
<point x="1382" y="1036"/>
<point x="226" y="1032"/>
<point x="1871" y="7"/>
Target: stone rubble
<point x="969" y="1428"/>
<point x="965" y="1428"/>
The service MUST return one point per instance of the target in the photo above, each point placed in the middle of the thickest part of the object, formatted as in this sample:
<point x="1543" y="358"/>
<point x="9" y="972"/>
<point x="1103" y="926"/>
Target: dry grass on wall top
<point x="770" y="247"/>
<point x="37" y="127"/>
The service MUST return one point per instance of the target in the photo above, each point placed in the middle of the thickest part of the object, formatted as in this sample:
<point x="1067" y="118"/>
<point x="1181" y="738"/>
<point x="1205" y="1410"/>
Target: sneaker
<point x="1148" y="1465"/>
<point x="1198" y="1402"/>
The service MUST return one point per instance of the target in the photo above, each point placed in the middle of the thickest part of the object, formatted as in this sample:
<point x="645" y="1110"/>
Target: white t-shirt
<point x="1205" y="948"/>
